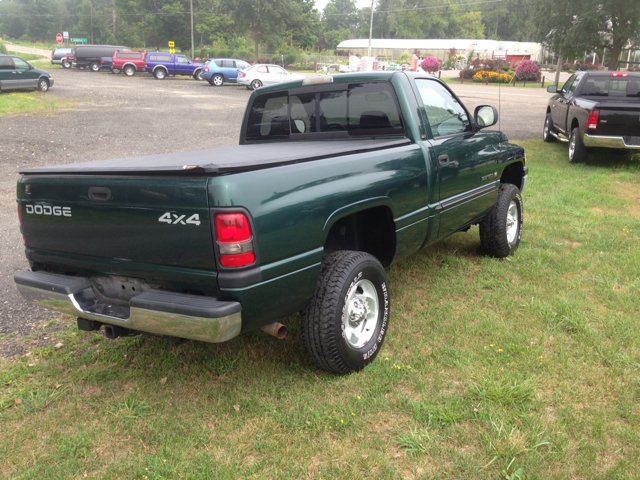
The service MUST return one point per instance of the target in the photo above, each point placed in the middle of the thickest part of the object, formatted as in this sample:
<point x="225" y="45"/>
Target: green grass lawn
<point x="47" y="103"/>
<point x="526" y="367"/>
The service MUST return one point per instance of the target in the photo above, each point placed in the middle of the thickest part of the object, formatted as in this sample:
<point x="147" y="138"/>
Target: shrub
<point x="494" y="77"/>
<point x="430" y="64"/>
<point x="3" y="48"/>
<point x="527" y="70"/>
<point x="467" y="73"/>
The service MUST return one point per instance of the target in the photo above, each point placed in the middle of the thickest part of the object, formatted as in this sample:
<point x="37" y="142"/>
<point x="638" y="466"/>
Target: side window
<point x="446" y="115"/>
<point x="567" y="85"/>
<point x="20" y="64"/>
<point x="6" y="63"/>
<point x="268" y="117"/>
<point x="182" y="60"/>
<point x="573" y="86"/>
<point x="277" y="71"/>
<point x="262" y="70"/>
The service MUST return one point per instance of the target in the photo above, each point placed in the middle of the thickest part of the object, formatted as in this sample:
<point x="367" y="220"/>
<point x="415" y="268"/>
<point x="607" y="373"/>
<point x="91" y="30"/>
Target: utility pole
<point x="113" y="28"/>
<point x="91" y="25"/>
<point x="192" y="50"/>
<point x="370" y="27"/>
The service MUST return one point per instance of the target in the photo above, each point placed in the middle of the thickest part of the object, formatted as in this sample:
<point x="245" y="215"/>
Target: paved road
<point x="117" y="116"/>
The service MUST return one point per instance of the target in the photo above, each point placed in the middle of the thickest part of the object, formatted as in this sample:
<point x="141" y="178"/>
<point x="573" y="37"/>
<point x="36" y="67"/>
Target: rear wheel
<point x="95" y="67"/>
<point x="345" y="324"/>
<point x="43" y="85"/>
<point x="500" y="231"/>
<point x="160" y="74"/>
<point x="256" y="84"/>
<point x="198" y="75"/>
<point x="548" y="128"/>
<point x="66" y="63"/>
<point x="577" y="151"/>
<point x="129" y="71"/>
<point x="216" y="80"/>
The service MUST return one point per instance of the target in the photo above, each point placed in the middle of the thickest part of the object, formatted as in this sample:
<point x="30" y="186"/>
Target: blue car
<point x="162" y="64"/>
<point x="219" y="70"/>
<point x="107" y="62"/>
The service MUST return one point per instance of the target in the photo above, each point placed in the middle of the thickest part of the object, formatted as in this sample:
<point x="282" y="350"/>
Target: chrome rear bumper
<point x="607" y="142"/>
<point x="154" y="311"/>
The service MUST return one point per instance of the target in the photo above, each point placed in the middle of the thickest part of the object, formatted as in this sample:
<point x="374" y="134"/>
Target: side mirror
<point x="485" y="116"/>
<point x="552" y="88"/>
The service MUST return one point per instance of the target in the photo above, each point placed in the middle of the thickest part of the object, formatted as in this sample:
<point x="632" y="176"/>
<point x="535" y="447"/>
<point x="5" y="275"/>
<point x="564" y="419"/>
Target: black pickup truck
<point x="595" y="109"/>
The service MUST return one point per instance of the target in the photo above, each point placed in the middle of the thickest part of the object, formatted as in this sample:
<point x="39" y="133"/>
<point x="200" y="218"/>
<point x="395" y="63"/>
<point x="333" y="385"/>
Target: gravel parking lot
<point x="118" y="116"/>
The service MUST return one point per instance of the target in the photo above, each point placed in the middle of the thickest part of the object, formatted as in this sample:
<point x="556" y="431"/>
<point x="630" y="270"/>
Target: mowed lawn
<point x="527" y="367"/>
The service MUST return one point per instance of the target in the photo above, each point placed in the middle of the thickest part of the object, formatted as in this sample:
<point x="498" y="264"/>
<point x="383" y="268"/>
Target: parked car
<point x="107" y="62"/>
<point x="595" y="109"/>
<point x="128" y="62"/>
<point x="261" y="74"/>
<point x="69" y="59"/>
<point x="18" y="74"/>
<point x="162" y="64"/>
<point x="59" y="54"/>
<point x="334" y="179"/>
<point x="219" y="70"/>
<point x="91" y="55"/>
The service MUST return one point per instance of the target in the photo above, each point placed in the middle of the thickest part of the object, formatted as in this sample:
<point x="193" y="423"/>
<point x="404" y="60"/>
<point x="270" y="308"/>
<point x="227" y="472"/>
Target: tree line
<point x="570" y="27"/>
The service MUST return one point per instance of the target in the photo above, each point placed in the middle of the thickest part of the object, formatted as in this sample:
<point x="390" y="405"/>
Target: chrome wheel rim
<point x="360" y="314"/>
<point x="572" y="146"/>
<point x="256" y="84"/>
<point x="217" y="81"/>
<point x="160" y="74"/>
<point x="512" y="221"/>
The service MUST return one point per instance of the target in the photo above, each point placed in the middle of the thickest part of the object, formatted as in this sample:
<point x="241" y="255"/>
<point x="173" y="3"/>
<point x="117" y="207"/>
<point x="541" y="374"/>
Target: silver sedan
<point x="261" y="74"/>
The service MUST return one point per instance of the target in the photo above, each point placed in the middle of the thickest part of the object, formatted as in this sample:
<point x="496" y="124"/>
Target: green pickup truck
<point x="334" y="179"/>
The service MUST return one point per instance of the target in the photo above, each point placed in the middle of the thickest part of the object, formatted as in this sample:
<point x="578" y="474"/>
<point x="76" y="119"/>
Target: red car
<point x="129" y="62"/>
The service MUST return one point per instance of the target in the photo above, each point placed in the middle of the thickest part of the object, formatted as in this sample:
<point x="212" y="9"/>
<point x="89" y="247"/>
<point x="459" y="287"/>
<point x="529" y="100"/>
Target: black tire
<point x="129" y="71"/>
<point x="197" y="75"/>
<point x="577" y="152"/>
<point x="95" y="67"/>
<point x="66" y="64"/>
<point x="217" y="80"/>
<point x="43" y="85"/>
<point x="160" y="74"/>
<point x="256" y="84"/>
<point x="498" y="235"/>
<point x="334" y="324"/>
<point x="547" y="129"/>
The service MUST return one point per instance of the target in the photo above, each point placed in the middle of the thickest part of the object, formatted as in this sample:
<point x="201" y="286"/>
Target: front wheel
<point x="43" y="85"/>
<point x="547" y="129"/>
<point x="500" y="231"/>
<point x="95" y="67"/>
<point x="256" y="84"/>
<point x="198" y="75"/>
<point x="160" y="74"/>
<point x="129" y="71"/>
<point x="345" y="324"/>
<point x="66" y="64"/>
<point x="577" y="150"/>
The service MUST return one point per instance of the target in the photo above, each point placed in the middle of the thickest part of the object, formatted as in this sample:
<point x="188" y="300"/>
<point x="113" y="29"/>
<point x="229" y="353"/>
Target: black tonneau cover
<point x="221" y="160"/>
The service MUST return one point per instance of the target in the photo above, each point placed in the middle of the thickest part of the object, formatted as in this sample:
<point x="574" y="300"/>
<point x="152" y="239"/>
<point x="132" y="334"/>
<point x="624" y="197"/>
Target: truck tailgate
<point x="154" y="220"/>
<point x="619" y="119"/>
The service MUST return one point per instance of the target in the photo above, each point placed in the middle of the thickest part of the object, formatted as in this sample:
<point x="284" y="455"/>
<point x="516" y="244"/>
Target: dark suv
<point x="91" y="55"/>
<point x="58" y="55"/>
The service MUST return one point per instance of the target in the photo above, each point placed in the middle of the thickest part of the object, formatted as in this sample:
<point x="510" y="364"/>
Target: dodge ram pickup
<point x="595" y="109"/>
<point x="334" y="179"/>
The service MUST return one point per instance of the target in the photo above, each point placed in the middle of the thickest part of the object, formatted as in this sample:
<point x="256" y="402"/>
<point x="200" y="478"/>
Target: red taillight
<point x="20" y="219"/>
<point x="592" y="119"/>
<point x="619" y="74"/>
<point x="233" y="234"/>
<point x="206" y="69"/>
<point x="244" y="74"/>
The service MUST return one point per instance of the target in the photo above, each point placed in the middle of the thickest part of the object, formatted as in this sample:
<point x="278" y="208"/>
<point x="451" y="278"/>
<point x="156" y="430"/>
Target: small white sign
<point x="65" y="35"/>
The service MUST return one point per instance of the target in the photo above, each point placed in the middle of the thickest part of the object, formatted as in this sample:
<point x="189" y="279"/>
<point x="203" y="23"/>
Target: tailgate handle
<point x="99" y="194"/>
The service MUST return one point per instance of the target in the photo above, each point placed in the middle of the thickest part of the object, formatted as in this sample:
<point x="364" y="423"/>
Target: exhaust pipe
<point x="276" y="329"/>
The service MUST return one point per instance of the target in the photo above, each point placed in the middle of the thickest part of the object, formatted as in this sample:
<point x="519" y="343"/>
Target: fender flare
<point x="160" y="66"/>
<point x="356" y="207"/>
<point x="127" y="64"/>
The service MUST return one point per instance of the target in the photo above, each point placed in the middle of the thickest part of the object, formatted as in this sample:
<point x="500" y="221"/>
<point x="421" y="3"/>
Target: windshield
<point x="611" y="87"/>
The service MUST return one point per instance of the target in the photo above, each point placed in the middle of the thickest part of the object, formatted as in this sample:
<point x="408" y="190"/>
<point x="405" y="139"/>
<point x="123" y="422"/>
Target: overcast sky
<point x="320" y="4"/>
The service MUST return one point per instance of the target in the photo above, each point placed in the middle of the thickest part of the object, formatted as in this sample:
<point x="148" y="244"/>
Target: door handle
<point x="443" y="160"/>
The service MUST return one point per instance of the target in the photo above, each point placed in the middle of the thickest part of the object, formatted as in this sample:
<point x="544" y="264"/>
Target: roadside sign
<point x="79" y="40"/>
<point x="59" y="38"/>
<point x="172" y="50"/>
<point x="172" y="44"/>
<point x="65" y="35"/>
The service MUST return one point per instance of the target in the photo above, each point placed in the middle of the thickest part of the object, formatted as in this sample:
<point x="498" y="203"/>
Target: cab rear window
<point x="611" y="87"/>
<point x="355" y="110"/>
